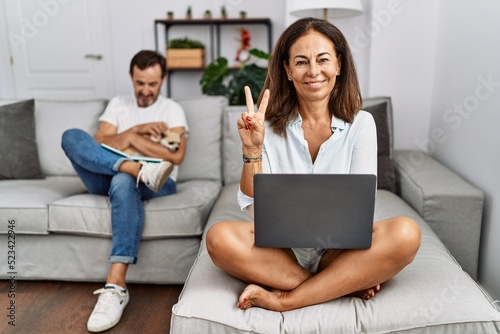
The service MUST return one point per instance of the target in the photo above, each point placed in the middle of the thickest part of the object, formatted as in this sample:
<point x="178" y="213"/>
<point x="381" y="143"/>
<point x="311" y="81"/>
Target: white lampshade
<point x="326" y="9"/>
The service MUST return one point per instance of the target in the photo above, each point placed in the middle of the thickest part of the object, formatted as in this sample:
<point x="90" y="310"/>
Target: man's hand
<point x="155" y="129"/>
<point x="108" y="134"/>
<point x="138" y="138"/>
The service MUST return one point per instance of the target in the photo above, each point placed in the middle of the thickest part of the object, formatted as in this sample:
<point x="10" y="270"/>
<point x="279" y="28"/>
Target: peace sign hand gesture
<point x="251" y="124"/>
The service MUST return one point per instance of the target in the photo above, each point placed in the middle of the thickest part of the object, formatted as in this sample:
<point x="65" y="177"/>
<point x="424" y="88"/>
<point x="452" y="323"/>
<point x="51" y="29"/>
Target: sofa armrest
<point x="451" y="206"/>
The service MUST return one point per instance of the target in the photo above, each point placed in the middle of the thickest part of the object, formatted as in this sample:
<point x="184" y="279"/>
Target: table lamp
<point x="326" y="9"/>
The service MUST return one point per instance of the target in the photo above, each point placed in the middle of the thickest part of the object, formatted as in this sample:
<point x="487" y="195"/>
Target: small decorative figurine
<point x="243" y="53"/>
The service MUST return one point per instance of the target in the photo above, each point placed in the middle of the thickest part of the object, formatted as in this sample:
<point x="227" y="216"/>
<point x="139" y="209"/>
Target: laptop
<point x="314" y="210"/>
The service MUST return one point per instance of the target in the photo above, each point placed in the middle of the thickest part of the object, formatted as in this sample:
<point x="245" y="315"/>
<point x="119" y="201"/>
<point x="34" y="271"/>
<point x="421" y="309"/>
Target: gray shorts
<point x="309" y="258"/>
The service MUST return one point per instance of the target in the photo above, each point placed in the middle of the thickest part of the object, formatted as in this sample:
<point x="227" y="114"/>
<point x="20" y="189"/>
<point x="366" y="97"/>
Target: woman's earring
<point x="289" y="78"/>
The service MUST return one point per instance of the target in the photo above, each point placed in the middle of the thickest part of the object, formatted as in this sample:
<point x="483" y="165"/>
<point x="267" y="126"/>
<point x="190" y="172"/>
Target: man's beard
<point x="144" y="101"/>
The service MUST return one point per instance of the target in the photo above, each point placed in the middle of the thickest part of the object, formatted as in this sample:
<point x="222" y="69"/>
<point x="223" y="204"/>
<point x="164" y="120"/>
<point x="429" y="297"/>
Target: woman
<point x="309" y="121"/>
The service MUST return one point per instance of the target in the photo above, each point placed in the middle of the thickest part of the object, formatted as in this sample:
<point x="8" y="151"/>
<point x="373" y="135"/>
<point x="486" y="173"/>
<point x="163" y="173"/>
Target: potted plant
<point x="185" y="53"/>
<point x="218" y="72"/>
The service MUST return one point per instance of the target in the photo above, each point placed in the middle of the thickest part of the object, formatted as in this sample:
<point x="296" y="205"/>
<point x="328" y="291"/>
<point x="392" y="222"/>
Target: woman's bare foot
<point x="255" y="295"/>
<point x="367" y="293"/>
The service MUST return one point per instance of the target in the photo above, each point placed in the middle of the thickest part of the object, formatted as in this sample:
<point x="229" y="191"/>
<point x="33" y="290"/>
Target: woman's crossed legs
<point x="279" y="283"/>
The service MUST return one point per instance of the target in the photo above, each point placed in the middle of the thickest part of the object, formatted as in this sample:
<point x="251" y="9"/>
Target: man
<point x="128" y="121"/>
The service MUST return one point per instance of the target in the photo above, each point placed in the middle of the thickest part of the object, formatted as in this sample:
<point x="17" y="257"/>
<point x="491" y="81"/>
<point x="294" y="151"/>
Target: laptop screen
<point x="314" y="210"/>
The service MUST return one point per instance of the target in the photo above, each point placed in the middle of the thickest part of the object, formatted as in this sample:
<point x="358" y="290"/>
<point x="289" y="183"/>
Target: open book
<point x="133" y="157"/>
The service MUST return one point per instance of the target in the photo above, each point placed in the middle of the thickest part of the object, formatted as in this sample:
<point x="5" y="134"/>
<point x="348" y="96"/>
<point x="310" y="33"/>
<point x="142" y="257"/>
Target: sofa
<point x="63" y="233"/>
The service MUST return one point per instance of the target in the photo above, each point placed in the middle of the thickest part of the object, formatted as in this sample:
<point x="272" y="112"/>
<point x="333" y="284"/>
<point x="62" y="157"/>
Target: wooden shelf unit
<point x="214" y="26"/>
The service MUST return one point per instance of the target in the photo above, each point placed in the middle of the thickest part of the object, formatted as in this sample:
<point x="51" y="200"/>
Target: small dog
<point x="170" y="139"/>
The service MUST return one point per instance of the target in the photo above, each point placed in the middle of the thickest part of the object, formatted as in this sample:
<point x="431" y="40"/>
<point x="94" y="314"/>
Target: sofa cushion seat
<point x="25" y="201"/>
<point x="432" y="294"/>
<point x="180" y="215"/>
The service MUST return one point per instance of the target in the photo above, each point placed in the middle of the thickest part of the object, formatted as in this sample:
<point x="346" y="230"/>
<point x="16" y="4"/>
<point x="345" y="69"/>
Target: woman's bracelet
<point x="256" y="163"/>
<point x="247" y="159"/>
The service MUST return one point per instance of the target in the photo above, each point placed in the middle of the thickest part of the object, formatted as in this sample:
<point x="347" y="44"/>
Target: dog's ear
<point x="183" y="133"/>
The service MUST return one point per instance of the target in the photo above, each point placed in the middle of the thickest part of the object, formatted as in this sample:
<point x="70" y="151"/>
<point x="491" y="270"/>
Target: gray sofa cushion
<point x="431" y="295"/>
<point x="386" y="178"/>
<point x="371" y="101"/>
<point x="203" y="153"/>
<point x="448" y="203"/>
<point x="80" y="258"/>
<point x="179" y="215"/>
<point x="18" y="147"/>
<point x="232" y="161"/>
<point x="25" y="201"/>
<point x="52" y="119"/>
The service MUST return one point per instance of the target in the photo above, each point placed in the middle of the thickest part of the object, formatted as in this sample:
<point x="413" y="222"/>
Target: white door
<point x="58" y="49"/>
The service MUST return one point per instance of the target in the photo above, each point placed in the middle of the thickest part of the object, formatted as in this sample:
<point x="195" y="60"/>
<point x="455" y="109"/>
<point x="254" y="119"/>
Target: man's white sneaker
<point x="109" y="307"/>
<point x="154" y="175"/>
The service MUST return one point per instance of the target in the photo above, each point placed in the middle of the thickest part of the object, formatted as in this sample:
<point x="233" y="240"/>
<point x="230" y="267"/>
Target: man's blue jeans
<point x="98" y="170"/>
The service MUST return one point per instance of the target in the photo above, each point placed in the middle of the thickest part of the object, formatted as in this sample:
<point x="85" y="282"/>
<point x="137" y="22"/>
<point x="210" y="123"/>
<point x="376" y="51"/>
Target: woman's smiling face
<point x="313" y="66"/>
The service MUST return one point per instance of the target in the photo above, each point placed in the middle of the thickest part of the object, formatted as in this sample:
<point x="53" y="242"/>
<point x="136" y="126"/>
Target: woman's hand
<point x="251" y="124"/>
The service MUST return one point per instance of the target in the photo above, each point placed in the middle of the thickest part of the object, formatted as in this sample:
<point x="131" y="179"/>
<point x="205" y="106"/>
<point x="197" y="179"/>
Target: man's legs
<point x="127" y="215"/>
<point x="127" y="222"/>
<point x="105" y="173"/>
<point x="94" y="165"/>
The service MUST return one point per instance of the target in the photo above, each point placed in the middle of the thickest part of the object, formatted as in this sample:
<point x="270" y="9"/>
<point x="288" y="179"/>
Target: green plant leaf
<point x="214" y="74"/>
<point x="260" y="54"/>
<point x="217" y="89"/>
<point x="250" y="75"/>
<point x="185" y="43"/>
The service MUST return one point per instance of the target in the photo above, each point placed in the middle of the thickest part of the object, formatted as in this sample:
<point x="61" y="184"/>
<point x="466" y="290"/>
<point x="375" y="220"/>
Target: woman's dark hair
<point x="345" y="99"/>
<point x="147" y="58"/>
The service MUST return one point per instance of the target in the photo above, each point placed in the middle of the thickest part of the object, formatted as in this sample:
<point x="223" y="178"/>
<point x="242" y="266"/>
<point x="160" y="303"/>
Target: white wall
<point x="403" y="40"/>
<point x="466" y="112"/>
<point x="7" y="90"/>
<point x="133" y="29"/>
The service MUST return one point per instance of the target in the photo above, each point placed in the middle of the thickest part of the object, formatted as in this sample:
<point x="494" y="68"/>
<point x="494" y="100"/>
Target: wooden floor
<point x="64" y="307"/>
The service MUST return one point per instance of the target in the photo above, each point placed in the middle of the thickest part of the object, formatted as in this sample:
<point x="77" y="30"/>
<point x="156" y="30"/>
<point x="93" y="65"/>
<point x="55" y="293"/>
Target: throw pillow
<point x="52" y="119"/>
<point x="386" y="178"/>
<point x="18" y="147"/>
